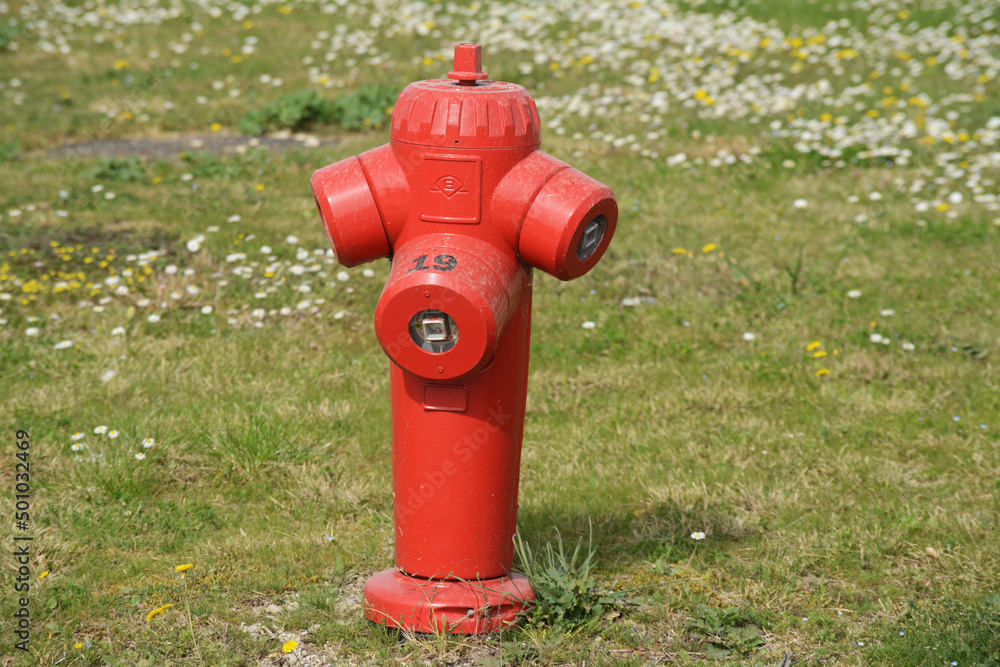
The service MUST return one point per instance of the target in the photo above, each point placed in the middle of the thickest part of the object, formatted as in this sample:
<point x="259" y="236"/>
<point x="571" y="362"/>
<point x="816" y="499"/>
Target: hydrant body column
<point x="465" y="205"/>
<point x="456" y="454"/>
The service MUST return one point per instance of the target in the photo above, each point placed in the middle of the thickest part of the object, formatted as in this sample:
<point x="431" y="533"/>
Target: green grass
<point x="840" y="509"/>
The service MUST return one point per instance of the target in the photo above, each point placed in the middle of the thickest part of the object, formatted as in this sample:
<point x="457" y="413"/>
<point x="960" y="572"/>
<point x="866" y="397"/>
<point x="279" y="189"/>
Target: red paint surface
<point x="461" y="607"/>
<point x="465" y="204"/>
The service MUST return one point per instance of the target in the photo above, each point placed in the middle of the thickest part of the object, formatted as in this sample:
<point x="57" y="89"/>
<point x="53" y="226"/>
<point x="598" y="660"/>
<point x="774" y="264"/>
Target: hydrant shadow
<point x="624" y="537"/>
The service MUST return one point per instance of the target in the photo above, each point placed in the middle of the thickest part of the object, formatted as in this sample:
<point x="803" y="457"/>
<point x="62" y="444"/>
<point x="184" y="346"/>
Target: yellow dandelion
<point x="813" y="345"/>
<point x="121" y="64"/>
<point x="819" y="354"/>
<point x="43" y="574"/>
<point x="822" y="371"/>
<point x="157" y="612"/>
<point x="215" y="127"/>
<point x="78" y="646"/>
<point x="184" y="568"/>
<point x="259" y="187"/>
<point x="289" y="646"/>
<point x="680" y="251"/>
<point x="708" y="248"/>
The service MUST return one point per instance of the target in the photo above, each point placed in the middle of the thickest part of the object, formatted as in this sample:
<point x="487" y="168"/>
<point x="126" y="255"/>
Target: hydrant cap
<point x="466" y="110"/>
<point x="468" y="64"/>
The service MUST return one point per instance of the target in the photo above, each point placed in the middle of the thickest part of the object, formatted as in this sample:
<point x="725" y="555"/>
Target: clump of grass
<point x="8" y="35"/>
<point x="367" y="108"/>
<point x="115" y="470"/>
<point x="10" y="150"/>
<point x="723" y="632"/>
<point x="294" y="111"/>
<point x="127" y="169"/>
<point x="567" y="595"/>
<point x="254" y="442"/>
<point x="206" y="165"/>
<point x="964" y="633"/>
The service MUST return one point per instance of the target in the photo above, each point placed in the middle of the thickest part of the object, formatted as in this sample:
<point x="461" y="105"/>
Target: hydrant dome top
<point x="466" y="110"/>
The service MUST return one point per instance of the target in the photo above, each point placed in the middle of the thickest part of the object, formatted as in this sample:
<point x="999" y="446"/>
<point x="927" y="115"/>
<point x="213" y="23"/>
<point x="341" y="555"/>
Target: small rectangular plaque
<point x="446" y="397"/>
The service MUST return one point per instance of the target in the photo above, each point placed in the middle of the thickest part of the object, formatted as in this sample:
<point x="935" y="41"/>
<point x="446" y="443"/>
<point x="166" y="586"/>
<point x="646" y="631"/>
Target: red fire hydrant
<point x="465" y="204"/>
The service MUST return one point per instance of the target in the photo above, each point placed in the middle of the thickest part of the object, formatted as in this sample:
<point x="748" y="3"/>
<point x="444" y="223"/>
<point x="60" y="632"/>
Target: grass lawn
<point x="779" y="434"/>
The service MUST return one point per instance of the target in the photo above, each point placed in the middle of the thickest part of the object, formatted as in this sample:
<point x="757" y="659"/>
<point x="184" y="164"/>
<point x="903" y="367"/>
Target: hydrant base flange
<point x="415" y="604"/>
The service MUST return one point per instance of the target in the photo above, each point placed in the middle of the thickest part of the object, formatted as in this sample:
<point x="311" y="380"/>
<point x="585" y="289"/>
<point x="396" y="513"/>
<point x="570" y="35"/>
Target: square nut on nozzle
<point x="435" y="329"/>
